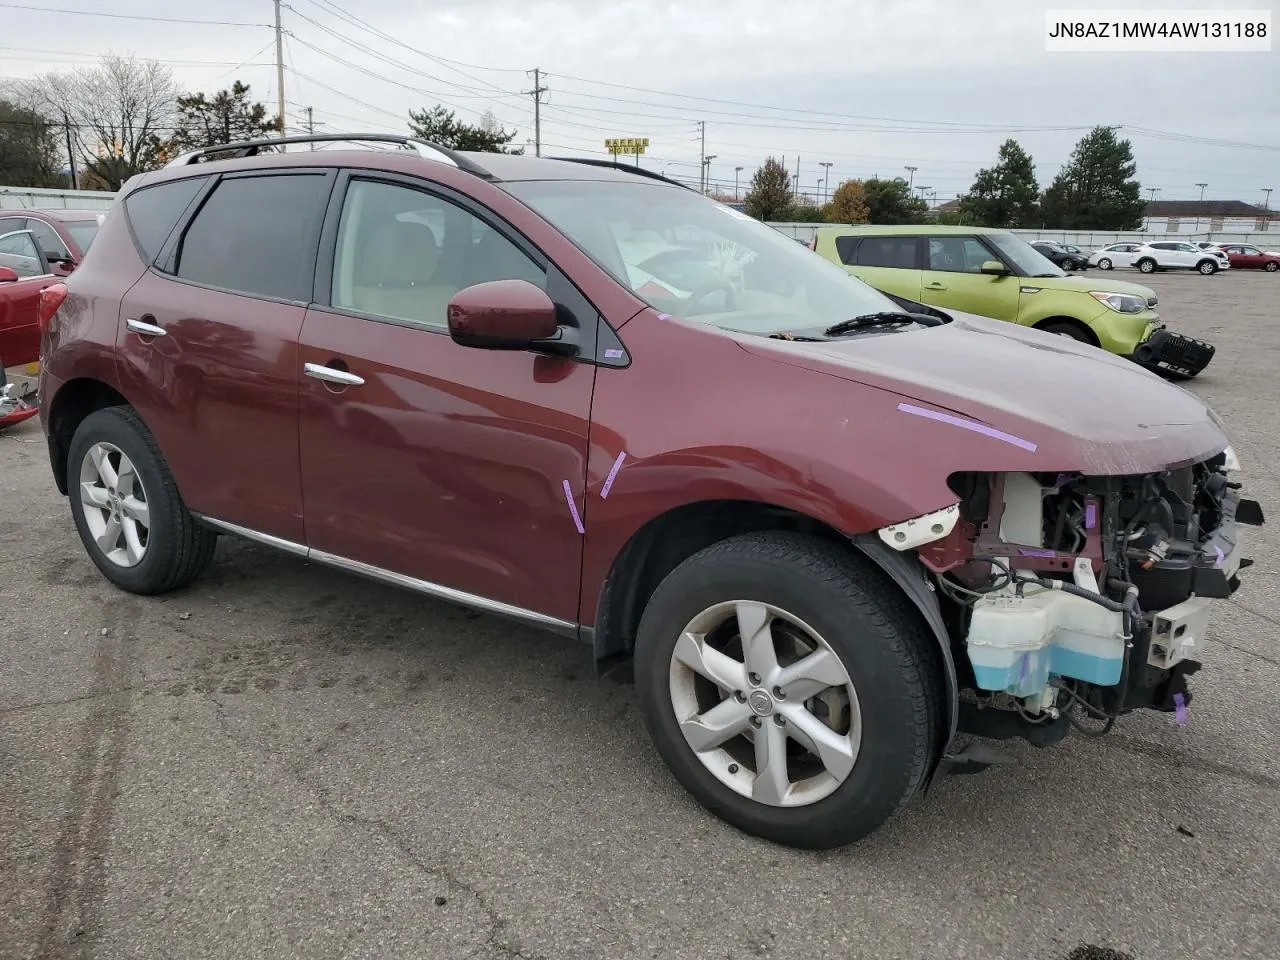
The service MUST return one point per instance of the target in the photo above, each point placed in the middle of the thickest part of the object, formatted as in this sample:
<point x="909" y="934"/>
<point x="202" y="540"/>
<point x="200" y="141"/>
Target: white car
<point x="1178" y="255"/>
<point x="1114" y="255"/>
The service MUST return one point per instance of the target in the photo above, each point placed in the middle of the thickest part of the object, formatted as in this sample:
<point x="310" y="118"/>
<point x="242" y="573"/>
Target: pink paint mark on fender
<point x="664" y="316"/>
<point x="964" y="424"/>
<point x="1180" y="709"/>
<point x="613" y="473"/>
<point x="573" y="508"/>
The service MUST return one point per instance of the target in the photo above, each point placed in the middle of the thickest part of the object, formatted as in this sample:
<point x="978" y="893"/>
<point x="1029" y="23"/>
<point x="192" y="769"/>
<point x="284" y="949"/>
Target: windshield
<point x="82" y="232"/>
<point x="1026" y="259"/>
<point x="687" y="255"/>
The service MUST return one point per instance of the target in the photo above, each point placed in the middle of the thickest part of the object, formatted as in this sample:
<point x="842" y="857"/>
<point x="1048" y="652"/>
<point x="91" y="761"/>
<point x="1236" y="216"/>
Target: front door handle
<point x="330" y="375"/>
<point x="935" y="286"/>
<point x="144" y="329"/>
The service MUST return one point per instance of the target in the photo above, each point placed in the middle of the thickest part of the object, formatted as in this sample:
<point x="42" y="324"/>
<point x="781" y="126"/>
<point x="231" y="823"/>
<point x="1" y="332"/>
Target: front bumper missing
<point x="1168" y="352"/>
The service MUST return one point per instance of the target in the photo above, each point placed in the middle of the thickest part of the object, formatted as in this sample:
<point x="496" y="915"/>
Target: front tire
<point x="1104" y="264"/>
<point x="1063" y="329"/>
<point x="817" y="727"/>
<point x="127" y="508"/>
<point x="1271" y="266"/>
<point x="1207" y="267"/>
<point x="1146" y="265"/>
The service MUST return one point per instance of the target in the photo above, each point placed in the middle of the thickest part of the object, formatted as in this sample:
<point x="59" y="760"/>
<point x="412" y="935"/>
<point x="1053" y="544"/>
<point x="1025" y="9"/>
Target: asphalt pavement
<point x="285" y="761"/>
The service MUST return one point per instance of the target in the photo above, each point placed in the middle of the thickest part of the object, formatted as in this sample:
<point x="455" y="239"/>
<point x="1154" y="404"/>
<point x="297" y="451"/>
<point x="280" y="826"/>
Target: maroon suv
<point x="826" y="530"/>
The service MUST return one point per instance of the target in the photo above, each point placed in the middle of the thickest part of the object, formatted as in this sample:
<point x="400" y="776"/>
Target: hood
<point x="1085" y="284"/>
<point x="1082" y="408"/>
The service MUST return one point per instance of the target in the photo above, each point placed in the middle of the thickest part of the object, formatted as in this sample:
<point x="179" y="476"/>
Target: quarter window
<point x="403" y="254"/>
<point x="958" y="255"/>
<point x="154" y="211"/>
<point x="250" y="236"/>
<point x="47" y="239"/>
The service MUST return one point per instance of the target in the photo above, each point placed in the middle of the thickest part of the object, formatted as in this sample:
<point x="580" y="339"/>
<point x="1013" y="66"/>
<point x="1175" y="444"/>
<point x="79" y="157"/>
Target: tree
<point x="770" y="196"/>
<point x="806" y="213"/>
<point x="440" y="125"/>
<point x="119" y="110"/>
<point x="848" y="204"/>
<point x="1096" y="190"/>
<point x="1007" y="194"/>
<point x="890" y="202"/>
<point x="30" y="148"/>
<point x="226" y="117"/>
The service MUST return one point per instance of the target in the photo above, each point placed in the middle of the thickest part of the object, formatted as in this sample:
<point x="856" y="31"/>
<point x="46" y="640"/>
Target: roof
<point x="508" y="167"/>
<point x="927" y="229"/>
<point x="56" y="213"/>
<point x="1205" y="208"/>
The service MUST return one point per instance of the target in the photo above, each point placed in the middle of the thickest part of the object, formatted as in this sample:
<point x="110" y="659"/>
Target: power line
<point x="131" y="16"/>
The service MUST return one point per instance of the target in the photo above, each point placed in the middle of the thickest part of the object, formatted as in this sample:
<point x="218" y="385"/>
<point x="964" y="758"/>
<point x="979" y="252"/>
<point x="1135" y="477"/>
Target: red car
<point x="1248" y="256"/>
<point x="825" y="530"/>
<point x="64" y="236"/>
<point x="24" y="273"/>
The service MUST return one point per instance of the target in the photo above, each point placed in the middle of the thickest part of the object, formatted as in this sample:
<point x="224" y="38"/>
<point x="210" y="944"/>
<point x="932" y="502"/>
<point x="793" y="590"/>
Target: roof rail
<point x="627" y="167"/>
<point x="251" y="148"/>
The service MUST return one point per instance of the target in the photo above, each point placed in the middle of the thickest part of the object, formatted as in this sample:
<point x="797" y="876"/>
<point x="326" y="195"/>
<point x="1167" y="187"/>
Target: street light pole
<point x="1201" y="186"/>
<point x="1266" y="198"/>
<point x="826" y="178"/>
<point x="736" y="171"/>
<point x="912" y="179"/>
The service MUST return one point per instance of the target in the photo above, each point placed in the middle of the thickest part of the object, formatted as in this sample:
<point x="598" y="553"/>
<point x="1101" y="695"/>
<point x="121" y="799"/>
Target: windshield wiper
<point x="884" y="318"/>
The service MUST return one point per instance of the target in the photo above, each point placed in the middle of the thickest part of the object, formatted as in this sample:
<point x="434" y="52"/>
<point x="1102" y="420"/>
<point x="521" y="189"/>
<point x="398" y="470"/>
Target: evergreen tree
<point x="890" y="202"/>
<point x="1007" y="194"/>
<point x="1096" y="190"/>
<point x="770" y="196"/>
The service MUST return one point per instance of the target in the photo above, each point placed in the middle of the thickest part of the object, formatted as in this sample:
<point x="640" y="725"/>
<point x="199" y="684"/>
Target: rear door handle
<point x="330" y="375"/>
<point x="145" y="329"/>
<point x="935" y="286"/>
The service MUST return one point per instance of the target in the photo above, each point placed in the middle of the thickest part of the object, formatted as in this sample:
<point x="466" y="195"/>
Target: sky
<point x="870" y="87"/>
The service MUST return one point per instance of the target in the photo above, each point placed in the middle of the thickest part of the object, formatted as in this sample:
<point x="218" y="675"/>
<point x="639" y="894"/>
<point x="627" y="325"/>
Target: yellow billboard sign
<point x="628" y="146"/>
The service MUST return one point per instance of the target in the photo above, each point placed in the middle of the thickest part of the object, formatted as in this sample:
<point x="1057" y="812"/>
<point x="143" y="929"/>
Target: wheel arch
<point x="74" y="401"/>
<point x="1073" y="322"/>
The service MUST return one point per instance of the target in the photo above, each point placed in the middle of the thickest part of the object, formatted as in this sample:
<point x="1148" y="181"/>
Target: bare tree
<point x="120" y="112"/>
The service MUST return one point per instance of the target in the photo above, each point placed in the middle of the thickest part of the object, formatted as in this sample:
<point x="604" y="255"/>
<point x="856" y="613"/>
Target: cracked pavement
<point x="284" y="761"/>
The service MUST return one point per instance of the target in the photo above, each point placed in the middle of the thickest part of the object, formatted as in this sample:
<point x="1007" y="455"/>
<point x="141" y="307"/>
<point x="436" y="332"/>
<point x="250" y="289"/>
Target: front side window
<point x="249" y="236"/>
<point x="958" y="254"/>
<point x="1025" y="259"/>
<point x="19" y="253"/>
<point x="687" y="255"/>
<point x="403" y="254"/>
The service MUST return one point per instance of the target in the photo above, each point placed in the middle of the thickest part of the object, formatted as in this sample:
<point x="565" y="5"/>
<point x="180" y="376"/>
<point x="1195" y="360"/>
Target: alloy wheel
<point x="765" y="703"/>
<point x="115" y="504"/>
<point x="1104" y="263"/>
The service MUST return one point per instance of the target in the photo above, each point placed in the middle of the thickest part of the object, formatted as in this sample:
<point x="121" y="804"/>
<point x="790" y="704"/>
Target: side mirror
<point x="507" y="315"/>
<point x="8" y="275"/>
<point x="994" y="268"/>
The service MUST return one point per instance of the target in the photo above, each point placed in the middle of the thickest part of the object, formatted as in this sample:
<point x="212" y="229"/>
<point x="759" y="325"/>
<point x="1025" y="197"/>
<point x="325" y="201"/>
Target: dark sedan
<point x="1061" y="256"/>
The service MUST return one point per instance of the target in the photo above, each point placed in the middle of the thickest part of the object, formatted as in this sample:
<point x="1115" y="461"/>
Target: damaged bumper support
<point x="1166" y="351"/>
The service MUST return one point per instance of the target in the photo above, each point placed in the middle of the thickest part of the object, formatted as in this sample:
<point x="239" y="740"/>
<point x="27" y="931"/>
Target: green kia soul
<point x="994" y="273"/>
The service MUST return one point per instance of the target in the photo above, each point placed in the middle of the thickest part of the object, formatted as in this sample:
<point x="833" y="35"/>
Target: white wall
<point x="27" y="198"/>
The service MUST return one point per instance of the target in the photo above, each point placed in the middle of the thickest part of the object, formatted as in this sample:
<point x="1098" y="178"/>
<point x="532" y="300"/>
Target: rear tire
<point x="797" y="596"/>
<point x="1146" y="265"/>
<point x="127" y="508"/>
<point x="1207" y="267"/>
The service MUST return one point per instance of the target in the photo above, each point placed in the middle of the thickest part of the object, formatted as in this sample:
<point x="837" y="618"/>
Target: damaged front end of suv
<point x="1072" y="600"/>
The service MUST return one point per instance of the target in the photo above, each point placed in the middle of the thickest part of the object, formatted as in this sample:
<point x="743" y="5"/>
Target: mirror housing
<point x="508" y="315"/>
<point x="994" y="268"/>
<point x="8" y="275"/>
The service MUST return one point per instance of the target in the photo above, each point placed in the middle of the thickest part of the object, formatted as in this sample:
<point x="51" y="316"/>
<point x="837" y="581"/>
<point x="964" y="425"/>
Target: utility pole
<point x="311" y="125"/>
<point x="1201" y="186"/>
<point x="826" y="166"/>
<point x="797" y="188"/>
<point x="537" y="92"/>
<point x="279" y="68"/>
<point x="736" y="194"/>
<point x="702" y="153"/>
<point x="912" y="178"/>
<point x="1266" y="198"/>
<point x="71" y="157"/>
<point x="706" y="172"/>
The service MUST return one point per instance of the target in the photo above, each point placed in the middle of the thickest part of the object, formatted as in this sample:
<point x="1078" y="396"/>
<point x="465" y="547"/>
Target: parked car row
<point x="1202" y="256"/>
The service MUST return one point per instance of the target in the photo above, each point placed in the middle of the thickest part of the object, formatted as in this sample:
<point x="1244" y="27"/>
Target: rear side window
<point x="250" y="236"/>
<point x="154" y="211"/>
<point x="847" y="249"/>
<point x="899" y="252"/>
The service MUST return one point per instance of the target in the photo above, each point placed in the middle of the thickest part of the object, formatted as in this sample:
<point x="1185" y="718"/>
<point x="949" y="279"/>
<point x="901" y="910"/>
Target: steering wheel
<point x="730" y="300"/>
